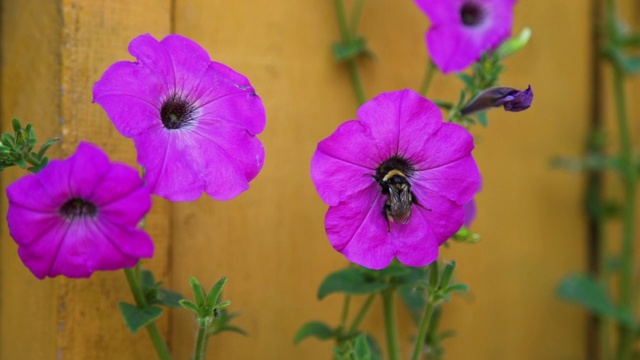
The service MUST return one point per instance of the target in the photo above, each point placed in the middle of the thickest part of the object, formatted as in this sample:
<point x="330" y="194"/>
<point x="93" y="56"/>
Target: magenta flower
<point x="396" y="181"/>
<point x="79" y="215"/>
<point x="194" y="121"/>
<point x="461" y="30"/>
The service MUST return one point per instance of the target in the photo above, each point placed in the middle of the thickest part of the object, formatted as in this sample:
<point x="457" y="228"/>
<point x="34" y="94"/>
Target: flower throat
<point x="77" y="207"/>
<point x="176" y="112"/>
<point x="471" y="13"/>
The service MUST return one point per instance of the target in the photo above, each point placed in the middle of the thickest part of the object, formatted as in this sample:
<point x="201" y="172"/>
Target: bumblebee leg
<point x="385" y="212"/>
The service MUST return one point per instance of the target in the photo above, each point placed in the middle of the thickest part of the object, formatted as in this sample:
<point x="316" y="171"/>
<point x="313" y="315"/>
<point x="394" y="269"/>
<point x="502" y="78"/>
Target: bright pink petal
<point x="231" y="149"/>
<point x="224" y="94"/>
<point x="358" y="229"/>
<point x="457" y="181"/>
<point x="443" y="216"/>
<point x="88" y="166"/>
<point x="189" y="60"/>
<point x="450" y="143"/>
<point x="150" y="53"/>
<point x="173" y="163"/>
<point x="417" y="241"/>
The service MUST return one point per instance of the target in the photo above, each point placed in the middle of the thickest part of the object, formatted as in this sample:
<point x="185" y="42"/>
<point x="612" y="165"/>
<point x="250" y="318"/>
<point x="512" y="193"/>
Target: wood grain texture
<point x="270" y="241"/>
<point x="49" y="71"/>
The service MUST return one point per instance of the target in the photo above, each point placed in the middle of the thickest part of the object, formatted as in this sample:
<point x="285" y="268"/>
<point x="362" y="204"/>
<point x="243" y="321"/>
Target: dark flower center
<point x="77" y="207"/>
<point x="396" y="162"/>
<point x="471" y="13"/>
<point x="176" y="112"/>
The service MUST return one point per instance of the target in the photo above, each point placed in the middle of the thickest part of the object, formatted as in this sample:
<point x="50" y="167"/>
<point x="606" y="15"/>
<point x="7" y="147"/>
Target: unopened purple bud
<point x="509" y="98"/>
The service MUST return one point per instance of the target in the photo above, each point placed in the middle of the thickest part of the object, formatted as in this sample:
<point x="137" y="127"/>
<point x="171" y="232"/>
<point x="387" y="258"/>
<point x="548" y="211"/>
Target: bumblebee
<point x="397" y="207"/>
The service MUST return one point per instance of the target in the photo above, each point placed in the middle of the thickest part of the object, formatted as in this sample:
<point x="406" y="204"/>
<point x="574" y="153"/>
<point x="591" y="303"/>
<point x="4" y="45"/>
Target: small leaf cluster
<point x="417" y="287"/>
<point x="136" y="317"/>
<point x="18" y="149"/>
<point x="362" y="347"/>
<point x="620" y="46"/>
<point x="210" y="311"/>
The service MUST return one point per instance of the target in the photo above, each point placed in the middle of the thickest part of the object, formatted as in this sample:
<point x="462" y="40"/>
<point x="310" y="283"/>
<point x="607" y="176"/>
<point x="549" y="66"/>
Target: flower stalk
<point x="390" y="323"/>
<point x="133" y="278"/>
<point x="348" y="39"/>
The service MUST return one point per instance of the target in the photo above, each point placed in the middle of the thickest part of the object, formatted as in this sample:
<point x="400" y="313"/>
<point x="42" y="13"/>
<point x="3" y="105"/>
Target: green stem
<point x="361" y="314"/>
<point x="428" y="77"/>
<point x="390" y="323"/>
<point x="355" y="18"/>
<point x="628" y="217"/>
<point x="345" y="311"/>
<point x="136" y="289"/>
<point x="629" y="177"/>
<point x="348" y="39"/>
<point x="201" y="341"/>
<point x="423" y="330"/>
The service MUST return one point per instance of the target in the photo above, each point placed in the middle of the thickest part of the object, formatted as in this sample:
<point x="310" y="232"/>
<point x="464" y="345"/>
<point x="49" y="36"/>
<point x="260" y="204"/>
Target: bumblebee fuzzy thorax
<point x="393" y="178"/>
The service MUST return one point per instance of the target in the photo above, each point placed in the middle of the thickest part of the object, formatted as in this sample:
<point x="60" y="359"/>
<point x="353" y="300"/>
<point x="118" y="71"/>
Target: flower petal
<point x="457" y="181"/>
<point x="450" y="143"/>
<point x="224" y="94"/>
<point x="358" y="229"/>
<point x="172" y="168"/>
<point x="417" y="244"/>
<point x="88" y="166"/>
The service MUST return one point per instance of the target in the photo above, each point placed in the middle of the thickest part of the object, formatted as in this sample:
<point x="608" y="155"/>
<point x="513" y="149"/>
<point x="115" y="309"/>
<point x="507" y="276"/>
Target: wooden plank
<point x="270" y="241"/>
<point x="30" y="91"/>
<point x="74" y="42"/>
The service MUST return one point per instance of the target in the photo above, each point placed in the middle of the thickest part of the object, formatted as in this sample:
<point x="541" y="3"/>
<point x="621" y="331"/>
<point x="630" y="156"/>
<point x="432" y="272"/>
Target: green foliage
<point x="136" y="318"/>
<point x="210" y="311"/>
<point x="586" y="292"/>
<point x="17" y="149"/>
<point x="155" y="294"/>
<point x="362" y="347"/>
<point x="351" y="281"/>
<point x="315" y="329"/>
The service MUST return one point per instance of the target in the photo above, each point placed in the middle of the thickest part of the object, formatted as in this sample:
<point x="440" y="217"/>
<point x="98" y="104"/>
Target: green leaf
<point x="376" y="352"/>
<point x="467" y="80"/>
<point x="135" y="318"/>
<point x="189" y="305"/>
<point x="214" y="293"/>
<point x="15" y="123"/>
<point x="482" y="118"/>
<point x="447" y="273"/>
<point x="198" y="291"/>
<point x="361" y="348"/>
<point x="414" y="299"/>
<point x="591" y="295"/>
<point x="396" y="269"/>
<point x="456" y="288"/>
<point x="232" y="328"/>
<point x="169" y="298"/>
<point x="350" y="281"/>
<point x="46" y="146"/>
<point x="148" y="280"/>
<point x="317" y="329"/>
<point x="343" y="52"/>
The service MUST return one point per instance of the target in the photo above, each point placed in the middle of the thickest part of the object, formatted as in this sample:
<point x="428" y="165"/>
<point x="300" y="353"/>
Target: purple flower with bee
<point x="193" y="121"/>
<point x="461" y="30"/>
<point x="396" y="181"/>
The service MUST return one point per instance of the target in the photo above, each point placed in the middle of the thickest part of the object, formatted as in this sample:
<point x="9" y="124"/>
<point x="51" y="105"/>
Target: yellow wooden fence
<point x="270" y="241"/>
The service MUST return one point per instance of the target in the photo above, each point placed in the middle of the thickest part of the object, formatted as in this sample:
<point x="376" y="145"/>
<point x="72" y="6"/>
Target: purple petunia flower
<point x="79" y="215"/>
<point x="396" y="181"/>
<point x="194" y="121"/>
<point x="461" y="30"/>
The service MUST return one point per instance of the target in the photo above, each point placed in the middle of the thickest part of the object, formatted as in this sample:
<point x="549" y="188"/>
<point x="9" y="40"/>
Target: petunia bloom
<point x="510" y="99"/>
<point x="193" y="121"/>
<point x="79" y="215"/>
<point x="461" y="30"/>
<point x="396" y="181"/>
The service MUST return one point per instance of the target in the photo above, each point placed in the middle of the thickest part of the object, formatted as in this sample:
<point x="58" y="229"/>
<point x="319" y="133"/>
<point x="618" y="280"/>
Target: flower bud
<point x="509" y="98"/>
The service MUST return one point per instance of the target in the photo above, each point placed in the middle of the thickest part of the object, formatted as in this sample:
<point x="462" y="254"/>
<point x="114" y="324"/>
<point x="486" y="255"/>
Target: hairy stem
<point x="348" y="38"/>
<point x="390" y="323"/>
<point x="136" y="290"/>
